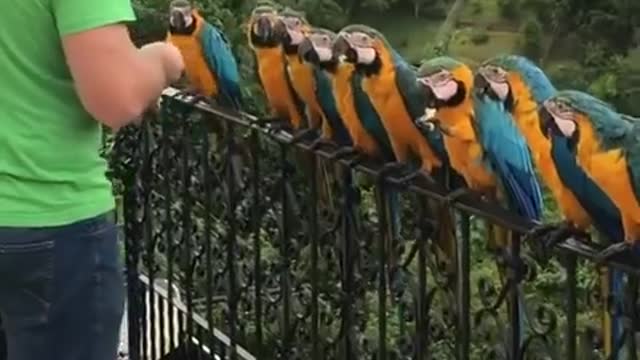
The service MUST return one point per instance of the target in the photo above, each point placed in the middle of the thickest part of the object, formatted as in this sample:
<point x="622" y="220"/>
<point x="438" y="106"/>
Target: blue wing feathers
<point x="223" y="64"/>
<point x="415" y="102"/>
<point x="370" y="119"/>
<point x="508" y="155"/>
<point x="324" y="96"/>
<point x="604" y="214"/>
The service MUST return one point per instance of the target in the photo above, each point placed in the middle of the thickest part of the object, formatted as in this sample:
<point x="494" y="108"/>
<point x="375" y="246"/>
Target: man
<point x="66" y="66"/>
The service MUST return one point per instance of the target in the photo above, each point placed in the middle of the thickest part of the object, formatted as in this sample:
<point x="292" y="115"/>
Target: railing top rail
<point x="468" y="204"/>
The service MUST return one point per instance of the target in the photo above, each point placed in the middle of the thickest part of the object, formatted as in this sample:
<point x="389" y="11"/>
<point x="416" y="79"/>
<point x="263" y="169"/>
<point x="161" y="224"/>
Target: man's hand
<point x="171" y="58"/>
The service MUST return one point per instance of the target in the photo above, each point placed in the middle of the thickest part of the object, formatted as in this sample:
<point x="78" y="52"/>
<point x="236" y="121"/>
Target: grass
<point x="634" y="56"/>
<point x="481" y="13"/>
<point x="410" y="35"/>
<point x="407" y="34"/>
<point x="499" y="42"/>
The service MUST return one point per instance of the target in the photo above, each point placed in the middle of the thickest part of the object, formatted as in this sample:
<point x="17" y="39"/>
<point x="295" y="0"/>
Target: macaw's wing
<point x="507" y="151"/>
<point x="603" y="212"/>
<point x="369" y="118"/>
<point x="295" y="98"/>
<point x="415" y="101"/>
<point x="632" y="153"/>
<point x="222" y="63"/>
<point x="324" y="96"/>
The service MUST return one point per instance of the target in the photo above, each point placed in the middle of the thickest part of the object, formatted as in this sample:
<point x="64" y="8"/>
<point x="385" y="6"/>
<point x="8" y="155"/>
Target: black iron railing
<point x="231" y="216"/>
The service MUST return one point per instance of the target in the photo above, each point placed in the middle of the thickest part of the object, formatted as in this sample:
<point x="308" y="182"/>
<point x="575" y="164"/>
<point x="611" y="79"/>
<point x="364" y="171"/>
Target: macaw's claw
<point x="545" y="237"/>
<point x="391" y="167"/>
<point x="343" y="153"/>
<point x="303" y="134"/>
<point x="319" y="142"/>
<point x="457" y="194"/>
<point x="274" y="123"/>
<point x="418" y="174"/>
<point x="356" y="160"/>
<point x="612" y="251"/>
<point x="191" y="96"/>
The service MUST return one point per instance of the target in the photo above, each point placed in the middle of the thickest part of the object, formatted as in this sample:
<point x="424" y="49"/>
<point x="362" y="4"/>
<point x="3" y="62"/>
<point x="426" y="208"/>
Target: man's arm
<point x="114" y="80"/>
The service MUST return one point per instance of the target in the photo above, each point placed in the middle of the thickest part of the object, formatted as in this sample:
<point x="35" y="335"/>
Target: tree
<point x="531" y="38"/>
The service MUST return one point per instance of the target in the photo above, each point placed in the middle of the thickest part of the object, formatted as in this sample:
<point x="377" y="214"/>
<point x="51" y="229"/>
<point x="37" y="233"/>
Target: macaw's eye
<point x="441" y="77"/>
<point x="326" y="39"/>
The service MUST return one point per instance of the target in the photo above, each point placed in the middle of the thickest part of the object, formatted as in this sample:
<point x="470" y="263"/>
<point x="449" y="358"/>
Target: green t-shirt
<point x="50" y="170"/>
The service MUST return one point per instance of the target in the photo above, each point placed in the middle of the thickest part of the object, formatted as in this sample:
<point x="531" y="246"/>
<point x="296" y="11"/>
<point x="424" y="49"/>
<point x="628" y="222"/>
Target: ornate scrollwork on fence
<point x="269" y="257"/>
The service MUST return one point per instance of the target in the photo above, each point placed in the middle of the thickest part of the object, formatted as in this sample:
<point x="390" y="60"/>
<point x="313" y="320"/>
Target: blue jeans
<point x="62" y="291"/>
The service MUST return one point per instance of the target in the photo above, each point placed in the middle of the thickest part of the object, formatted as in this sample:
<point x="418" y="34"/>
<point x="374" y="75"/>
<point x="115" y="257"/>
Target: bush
<point x="509" y="9"/>
<point x="531" y="38"/>
<point x="480" y="37"/>
<point x="476" y="7"/>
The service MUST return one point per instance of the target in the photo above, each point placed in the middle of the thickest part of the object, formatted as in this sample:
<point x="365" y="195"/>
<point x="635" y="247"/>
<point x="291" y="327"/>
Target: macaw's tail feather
<point x="393" y="201"/>
<point x="498" y="242"/>
<point x="444" y="237"/>
<point x="613" y="293"/>
<point x="388" y="209"/>
<point x="326" y="182"/>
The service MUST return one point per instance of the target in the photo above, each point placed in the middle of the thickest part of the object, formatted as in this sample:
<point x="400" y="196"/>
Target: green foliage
<point x="607" y="76"/>
<point x="509" y="9"/>
<point x="531" y="38"/>
<point x="476" y="7"/>
<point x="480" y="37"/>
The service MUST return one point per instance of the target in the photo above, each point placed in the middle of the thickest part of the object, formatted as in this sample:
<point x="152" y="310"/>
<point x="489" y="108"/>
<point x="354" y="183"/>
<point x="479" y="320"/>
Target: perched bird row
<point x="483" y="131"/>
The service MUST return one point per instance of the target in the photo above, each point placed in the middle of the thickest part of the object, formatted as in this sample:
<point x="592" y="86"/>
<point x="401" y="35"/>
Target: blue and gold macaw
<point x="210" y="65"/>
<point x="291" y="29"/>
<point x="483" y="143"/>
<point x="523" y="87"/>
<point x="333" y="125"/>
<point x="271" y="68"/>
<point x="359" y="118"/>
<point x="603" y="144"/>
<point x="390" y="84"/>
<point x="310" y="54"/>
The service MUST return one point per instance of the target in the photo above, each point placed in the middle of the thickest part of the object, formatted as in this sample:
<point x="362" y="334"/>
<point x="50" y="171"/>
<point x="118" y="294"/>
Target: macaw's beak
<point x="176" y="19"/>
<point x="545" y="120"/>
<point x="342" y="47"/>
<point x="430" y="97"/>
<point x="482" y="86"/>
<point x="306" y="51"/>
<point x="280" y="30"/>
<point x="263" y="25"/>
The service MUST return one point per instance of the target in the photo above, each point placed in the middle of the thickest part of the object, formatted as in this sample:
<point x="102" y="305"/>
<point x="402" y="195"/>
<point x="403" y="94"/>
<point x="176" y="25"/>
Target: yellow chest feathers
<point x="198" y="72"/>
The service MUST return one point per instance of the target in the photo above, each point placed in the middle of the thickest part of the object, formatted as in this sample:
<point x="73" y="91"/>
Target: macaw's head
<point x="181" y="17"/>
<point x="561" y="114"/>
<point x="317" y="48"/>
<point x="446" y="82"/>
<point x="514" y="80"/>
<point x="363" y="46"/>
<point x="261" y="27"/>
<point x="291" y="29"/>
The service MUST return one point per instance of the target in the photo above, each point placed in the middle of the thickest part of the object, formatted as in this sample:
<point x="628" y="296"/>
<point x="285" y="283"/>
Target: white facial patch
<point x="567" y="127"/>
<point x="188" y="20"/>
<point x="296" y="36"/>
<point x="500" y="88"/>
<point x="446" y="90"/>
<point x="324" y="54"/>
<point x="366" y="55"/>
